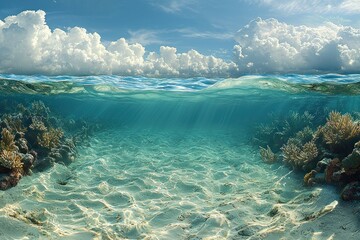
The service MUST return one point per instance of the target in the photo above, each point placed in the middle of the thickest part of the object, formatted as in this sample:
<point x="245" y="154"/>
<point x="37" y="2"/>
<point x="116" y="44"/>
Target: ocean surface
<point x="173" y="159"/>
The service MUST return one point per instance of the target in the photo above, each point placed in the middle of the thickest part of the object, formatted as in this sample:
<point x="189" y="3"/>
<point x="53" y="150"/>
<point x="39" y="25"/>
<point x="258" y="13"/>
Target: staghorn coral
<point x="267" y="155"/>
<point x="340" y="130"/>
<point x="280" y="130"/>
<point x="37" y="124"/>
<point x="15" y="123"/>
<point x="51" y="138"/>
<point x="38" y="108"/>
<point x="7" y="140"/>
<point x="305" y="135"/>
<point x="11" y="160"/>
<point x="298" y="156"/>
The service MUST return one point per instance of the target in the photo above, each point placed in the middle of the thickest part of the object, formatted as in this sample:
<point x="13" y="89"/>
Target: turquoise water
<point x="172" y="159"/>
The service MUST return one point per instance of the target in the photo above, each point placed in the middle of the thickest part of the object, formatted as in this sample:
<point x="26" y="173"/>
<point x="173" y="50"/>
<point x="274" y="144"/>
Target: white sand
<point x="150" y="185"/>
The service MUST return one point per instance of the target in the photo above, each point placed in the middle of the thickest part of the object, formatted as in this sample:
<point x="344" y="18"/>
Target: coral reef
<point x="267" y="155"/>
<point x="276" y="134"/>
<point x="32" y="138"/>
<point x="51" y="138"/>
<point x="298" y="156"/>
<point x="331" y="154"/>
<point x="340" y="132"/>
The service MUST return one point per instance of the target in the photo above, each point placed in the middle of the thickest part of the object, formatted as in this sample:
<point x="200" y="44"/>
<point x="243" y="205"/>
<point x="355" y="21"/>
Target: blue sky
<point x="205" y="25"/>
<point x="208" y="26"/>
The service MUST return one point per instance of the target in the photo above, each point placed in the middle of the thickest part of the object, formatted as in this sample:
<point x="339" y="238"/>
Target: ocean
<point x="175" y="158"/>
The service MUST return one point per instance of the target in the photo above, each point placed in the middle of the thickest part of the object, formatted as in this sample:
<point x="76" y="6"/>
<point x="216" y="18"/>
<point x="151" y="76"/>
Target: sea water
<point x="173" y="159"/>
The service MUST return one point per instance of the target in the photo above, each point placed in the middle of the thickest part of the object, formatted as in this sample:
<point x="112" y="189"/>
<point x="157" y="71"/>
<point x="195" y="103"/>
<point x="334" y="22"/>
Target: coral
<point x="37" y="124"/>
<point x="11" y="160"/>
<point x="296" y="122"/>
<point x="340" y="130"/>
<point x="51" y="138"/>
<point x="279" y="131"/>
<point x="305" y="135"/>
<point x="267" y="155"/>
<point x="7" y="140"/>
<point x="14" y="123"/>
<point x="298" y="156"/>
<point x="309" y="178"/>
<point x="38" y="108"/>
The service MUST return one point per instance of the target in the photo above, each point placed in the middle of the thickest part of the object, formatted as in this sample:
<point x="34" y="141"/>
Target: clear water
<point x="173" y="159"/>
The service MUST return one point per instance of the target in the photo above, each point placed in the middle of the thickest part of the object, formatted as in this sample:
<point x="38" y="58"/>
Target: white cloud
<point x="174" y="6"/>
<point x="28" y="45"/>
<point x="192" y="33"/>
<point x="311" y="6"/>
<point x="145" y="37"/>
<point x="350" y="6"/>
<point x="269" y="46"/>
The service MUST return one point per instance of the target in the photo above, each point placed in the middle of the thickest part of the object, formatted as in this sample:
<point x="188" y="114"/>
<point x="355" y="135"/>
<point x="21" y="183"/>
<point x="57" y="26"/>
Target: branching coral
<point x="7" y="140"/>
<point x="298" y="156"/>
<point x="38" y="108"/>
<point x="37" y="124"/>
<point x="51" y="138"/>
<point x="14" y="123"/>
<point x="267" y="155"/>
<point x="340" y="130"/>
<point x="11" y="160"/>
<point x="280" y="130"/>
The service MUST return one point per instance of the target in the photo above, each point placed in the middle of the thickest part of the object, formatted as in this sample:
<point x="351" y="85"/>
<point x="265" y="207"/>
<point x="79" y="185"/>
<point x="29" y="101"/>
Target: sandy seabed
<point x="147" y="184"/>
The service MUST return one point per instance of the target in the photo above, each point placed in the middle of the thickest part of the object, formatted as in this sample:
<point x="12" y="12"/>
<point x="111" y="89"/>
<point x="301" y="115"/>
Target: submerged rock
<point x="351" y="191"/>
<point x="322" y="165"/>
<point x="352" y="161"/>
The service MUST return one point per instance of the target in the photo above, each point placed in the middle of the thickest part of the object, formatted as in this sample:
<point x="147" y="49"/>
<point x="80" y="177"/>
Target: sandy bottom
<point x="129" y="184"/>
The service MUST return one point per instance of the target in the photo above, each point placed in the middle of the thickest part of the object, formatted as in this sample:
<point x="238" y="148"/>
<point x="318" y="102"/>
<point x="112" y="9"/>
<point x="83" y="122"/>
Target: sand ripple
<point x="151" y="185"/>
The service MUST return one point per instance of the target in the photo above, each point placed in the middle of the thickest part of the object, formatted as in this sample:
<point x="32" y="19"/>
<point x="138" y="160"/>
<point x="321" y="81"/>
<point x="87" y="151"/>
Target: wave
<point x="121" y="86"/>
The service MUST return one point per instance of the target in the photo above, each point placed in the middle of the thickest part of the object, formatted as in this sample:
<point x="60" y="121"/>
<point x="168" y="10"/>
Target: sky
<point x="179" y="37"/>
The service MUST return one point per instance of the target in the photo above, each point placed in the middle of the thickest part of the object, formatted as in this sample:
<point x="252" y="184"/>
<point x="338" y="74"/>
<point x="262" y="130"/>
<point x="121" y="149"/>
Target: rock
<point x="352" y="161"/>
<point x="44" y="163"/>
<point x="351" y="191"/>
<point x="21" y="143"/>
<point x="333" y="166"/>
<point x="28" y="161"/>
<point x="321" y="165"/>
<point x="9" y="181"/>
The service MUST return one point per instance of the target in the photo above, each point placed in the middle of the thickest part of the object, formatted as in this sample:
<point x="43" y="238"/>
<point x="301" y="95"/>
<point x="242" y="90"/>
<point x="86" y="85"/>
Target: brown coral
<point x="11" y="160"/>
<point x="7" y="140"/>
<point x="297" y="155"/>
<point x="340" y="130"/>
<point x="309" y="178"/>
<point x="51" y="138"/>
<point x="37" y="124"/>
<point x="267" y="155"/>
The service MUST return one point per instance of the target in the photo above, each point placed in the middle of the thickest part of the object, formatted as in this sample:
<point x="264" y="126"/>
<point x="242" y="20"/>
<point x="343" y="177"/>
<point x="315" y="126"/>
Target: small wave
<point x="117" y="85"/>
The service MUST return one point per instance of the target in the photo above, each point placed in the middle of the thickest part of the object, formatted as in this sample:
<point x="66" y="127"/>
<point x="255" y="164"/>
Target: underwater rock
<point x="21" y="143"/>
<point x="28" y="161"/>
<point x="351" y="191"/>
<point x="10" y="181"/>
<point x="44" y="163"/>
<point x="352" y="161"/>
<point x="322" y="165"/>
<point x="333" y="166"/>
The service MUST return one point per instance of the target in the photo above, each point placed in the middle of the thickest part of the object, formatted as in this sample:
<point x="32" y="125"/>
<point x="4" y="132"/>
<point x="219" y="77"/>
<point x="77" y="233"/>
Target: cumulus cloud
<point x="269" y="46"/>
<point x="28" y="45"/>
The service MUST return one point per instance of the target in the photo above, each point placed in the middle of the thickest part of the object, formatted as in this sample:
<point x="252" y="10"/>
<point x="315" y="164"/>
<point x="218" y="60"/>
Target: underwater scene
<point x="109" y="157"/>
